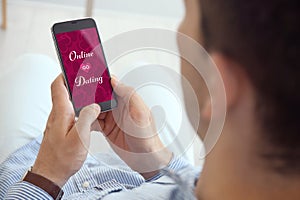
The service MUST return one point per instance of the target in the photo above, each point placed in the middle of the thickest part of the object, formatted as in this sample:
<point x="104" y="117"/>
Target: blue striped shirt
<point x="103" y="176"/>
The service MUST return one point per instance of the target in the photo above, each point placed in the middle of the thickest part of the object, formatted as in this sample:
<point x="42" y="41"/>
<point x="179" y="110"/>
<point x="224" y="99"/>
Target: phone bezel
<point x="73" y="25"/>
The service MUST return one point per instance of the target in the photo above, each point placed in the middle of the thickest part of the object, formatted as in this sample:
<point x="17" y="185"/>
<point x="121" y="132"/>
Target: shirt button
<point x="85" y="184"/>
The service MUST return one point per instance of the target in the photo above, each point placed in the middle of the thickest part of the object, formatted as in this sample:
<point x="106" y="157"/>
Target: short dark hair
<point x="263" y="37"/>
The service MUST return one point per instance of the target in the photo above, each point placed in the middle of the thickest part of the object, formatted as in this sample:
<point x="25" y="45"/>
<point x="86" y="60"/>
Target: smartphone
<point x="83" y="64"/>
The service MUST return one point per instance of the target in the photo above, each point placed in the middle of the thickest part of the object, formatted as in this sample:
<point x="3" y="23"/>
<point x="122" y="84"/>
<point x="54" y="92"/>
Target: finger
<point x="60" y="96"/>
<point x="101" y="123"/>
<point x="103" y="115"/>
<point x="96" y="126"/>
<point x="126" y="92"/>
<point x="121" y="89"/>
<point x="109" y="123"/>
<point x="114" y="77"/>
<point x="113" y="135"/>
<point x="139" y="111"/>
<point x="86" y="118"/>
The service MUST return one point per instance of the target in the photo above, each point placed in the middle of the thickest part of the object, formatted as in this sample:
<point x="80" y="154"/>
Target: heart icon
<point x="85" y="67"/>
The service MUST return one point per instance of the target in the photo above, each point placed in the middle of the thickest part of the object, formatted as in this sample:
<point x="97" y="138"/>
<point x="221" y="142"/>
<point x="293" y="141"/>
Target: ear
<point x="231" y="75"/>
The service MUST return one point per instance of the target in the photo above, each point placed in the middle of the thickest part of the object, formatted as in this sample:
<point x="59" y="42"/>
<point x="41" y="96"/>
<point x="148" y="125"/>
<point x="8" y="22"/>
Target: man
<point x="254" y="45"/>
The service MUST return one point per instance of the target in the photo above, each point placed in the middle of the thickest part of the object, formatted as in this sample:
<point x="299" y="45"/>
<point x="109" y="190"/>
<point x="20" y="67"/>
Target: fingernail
<point x="115" y="78"/>
<point x="95" y="106"/>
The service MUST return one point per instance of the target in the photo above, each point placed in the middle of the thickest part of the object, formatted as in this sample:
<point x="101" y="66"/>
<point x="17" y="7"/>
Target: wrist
<point x="164" y="159"/>
<point x="147" y="164"/>
<point x="45" y="184"/>
<point x="50" y="174"/>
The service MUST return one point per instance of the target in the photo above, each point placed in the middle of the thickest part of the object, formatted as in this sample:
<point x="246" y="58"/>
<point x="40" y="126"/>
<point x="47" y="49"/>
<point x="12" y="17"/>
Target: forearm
<point x="161" y="160"/>
<point x="147" y="161"/>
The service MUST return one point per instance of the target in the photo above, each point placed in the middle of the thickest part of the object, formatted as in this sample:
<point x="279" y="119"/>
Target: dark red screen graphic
<point x="85" y="68"/>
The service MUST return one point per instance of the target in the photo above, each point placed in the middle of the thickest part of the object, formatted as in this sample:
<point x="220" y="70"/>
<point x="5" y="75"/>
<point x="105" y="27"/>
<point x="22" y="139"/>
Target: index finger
<point x="120" y="89"/>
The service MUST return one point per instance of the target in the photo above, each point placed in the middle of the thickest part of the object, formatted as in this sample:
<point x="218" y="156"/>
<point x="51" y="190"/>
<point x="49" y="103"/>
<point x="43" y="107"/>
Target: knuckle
<point x="52" y="86"/>
<point x="68" y="113"/>
<point x="63" y="114"/>
<point x="131" y="93"/>
<point x="130" y="89"/>
<point x="48" y="127"/>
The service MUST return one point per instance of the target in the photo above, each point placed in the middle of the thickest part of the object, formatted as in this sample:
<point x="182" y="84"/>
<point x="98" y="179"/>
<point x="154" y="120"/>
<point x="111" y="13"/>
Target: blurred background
<point x="29" y="21"/>
<point x="26" y="29"/>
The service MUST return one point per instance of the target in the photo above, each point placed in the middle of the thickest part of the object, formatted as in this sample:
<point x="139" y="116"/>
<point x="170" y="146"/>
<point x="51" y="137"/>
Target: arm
<point x="64" y="147"/>
<point x="66" y="141"/>
<point x="131" y="132"/>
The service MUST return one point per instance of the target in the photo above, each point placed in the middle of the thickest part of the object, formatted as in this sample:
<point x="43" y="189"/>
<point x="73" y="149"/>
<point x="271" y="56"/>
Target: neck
<point x="235" y="170"/>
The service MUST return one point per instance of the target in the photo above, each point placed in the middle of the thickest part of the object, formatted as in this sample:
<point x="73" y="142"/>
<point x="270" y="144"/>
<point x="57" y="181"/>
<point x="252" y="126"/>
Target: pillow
<point x="25" y="100"/>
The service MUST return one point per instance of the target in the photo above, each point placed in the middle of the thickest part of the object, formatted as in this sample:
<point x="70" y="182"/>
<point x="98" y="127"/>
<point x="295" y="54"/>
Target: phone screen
<point x="84" y="66"/>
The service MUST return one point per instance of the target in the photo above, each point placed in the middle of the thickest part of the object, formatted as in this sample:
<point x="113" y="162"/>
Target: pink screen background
<point x="85" y="40"/>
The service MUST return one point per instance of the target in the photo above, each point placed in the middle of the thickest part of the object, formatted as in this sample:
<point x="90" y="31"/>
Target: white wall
<point x="168" y="8"/>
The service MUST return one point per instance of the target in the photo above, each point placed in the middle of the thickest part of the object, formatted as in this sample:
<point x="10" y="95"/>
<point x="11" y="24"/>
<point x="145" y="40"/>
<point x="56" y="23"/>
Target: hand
<point x="65" y="144"/>
<point x="131" y="131"/>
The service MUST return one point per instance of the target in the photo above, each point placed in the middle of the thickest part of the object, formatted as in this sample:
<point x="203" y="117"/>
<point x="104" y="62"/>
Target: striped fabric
<point x="103" y="176"/>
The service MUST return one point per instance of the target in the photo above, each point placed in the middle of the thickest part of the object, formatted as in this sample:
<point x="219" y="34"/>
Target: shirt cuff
<point x="176" y="164"/>
<point x="24" y="190"/>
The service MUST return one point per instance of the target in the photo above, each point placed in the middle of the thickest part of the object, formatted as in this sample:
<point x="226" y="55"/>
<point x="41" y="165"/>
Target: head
<point x="254" y="45"/>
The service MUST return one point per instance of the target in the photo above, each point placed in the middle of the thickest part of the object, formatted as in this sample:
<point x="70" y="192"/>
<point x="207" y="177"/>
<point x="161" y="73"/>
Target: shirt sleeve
<point x="176" y="165"/>
<point x="13" y="169"/>
<point x="176" y="182"/>
<point x="26" y="191"/>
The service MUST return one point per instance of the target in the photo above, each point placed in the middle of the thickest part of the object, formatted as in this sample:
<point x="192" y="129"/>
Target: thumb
<point x="86" y="118"/>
